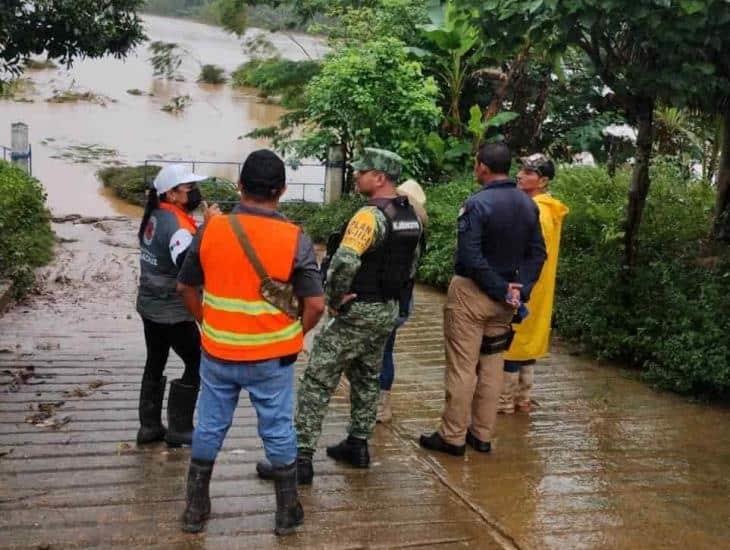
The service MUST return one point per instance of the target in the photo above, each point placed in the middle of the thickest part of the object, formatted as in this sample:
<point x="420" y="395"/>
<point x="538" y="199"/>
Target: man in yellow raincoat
<point x="532" y="336"/>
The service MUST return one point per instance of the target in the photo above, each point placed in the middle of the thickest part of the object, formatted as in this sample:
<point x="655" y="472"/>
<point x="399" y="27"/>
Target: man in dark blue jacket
<point x="499" y="255"/>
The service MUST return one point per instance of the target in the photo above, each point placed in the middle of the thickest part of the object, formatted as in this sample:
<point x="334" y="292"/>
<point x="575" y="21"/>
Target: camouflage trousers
<point x="352" y="343"/>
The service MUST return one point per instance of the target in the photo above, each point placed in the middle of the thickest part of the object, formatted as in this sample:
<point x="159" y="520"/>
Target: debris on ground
<point x="5" y="452"/>
<point x="44" y="417"/>
<point x="20" y="377"/>
<point x="48" y="346"/>
<point x="88" y="390"/>
<point x="76" y="392"/>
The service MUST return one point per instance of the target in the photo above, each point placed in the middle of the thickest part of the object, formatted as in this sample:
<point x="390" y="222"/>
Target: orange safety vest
<point x="238" y="324"/>
<point x="185" y="220"/>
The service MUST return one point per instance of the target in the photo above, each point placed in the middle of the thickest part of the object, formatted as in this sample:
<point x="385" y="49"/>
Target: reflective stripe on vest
<point x="238" y="324"/>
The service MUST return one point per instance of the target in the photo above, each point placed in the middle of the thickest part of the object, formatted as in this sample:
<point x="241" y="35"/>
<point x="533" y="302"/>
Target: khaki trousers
<point x="473" y="381"/>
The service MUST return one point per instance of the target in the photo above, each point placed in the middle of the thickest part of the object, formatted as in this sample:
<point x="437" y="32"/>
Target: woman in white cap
<point x="417" y="198"/>
<point x="165" y="234"/>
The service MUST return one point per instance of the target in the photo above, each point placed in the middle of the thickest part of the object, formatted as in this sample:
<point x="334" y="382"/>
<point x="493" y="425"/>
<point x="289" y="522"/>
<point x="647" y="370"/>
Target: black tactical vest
<point x="386" y="271"/>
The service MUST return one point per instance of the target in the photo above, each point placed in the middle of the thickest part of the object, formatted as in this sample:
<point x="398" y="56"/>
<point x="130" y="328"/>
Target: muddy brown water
<point x="71" y="141"/>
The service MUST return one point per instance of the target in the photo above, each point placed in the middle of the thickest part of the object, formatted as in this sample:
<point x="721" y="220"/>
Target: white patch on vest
<point x="149" y="231"/>
<point x="406" y="225"/>
<point x="179" y="243"/>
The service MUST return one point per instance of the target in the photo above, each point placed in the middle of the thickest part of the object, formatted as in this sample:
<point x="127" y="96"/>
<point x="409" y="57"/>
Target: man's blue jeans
<point x="271" y="390"/>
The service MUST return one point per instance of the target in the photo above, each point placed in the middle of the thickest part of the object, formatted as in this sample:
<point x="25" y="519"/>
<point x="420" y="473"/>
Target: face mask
<point x="194" y="199"/>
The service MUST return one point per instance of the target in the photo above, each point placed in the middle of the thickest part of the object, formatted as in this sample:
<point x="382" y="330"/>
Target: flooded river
<point x="71" y="141"/>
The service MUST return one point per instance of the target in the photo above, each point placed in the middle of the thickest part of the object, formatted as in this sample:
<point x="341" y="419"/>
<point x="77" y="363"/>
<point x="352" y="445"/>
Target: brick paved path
<point x="604" y="462"/>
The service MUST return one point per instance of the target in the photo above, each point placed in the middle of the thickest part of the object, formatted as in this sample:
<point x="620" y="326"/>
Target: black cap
<point x="263" y="174"/>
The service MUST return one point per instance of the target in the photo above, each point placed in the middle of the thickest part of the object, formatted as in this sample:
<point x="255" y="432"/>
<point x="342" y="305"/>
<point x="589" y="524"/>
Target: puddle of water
<point x="134" y="126"/>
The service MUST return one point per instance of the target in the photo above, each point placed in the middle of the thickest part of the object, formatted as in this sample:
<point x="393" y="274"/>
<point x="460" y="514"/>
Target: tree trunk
<point x="495" y="105"/>
<point x="721" y="226"/>
<point x="540" y="112"/>
<point x="639" y="187"/>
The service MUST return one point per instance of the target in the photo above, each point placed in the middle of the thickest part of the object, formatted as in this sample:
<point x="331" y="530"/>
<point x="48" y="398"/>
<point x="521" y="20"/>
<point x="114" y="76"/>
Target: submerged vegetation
<point x="177" y="104"/>
<point x="212" y="74"/>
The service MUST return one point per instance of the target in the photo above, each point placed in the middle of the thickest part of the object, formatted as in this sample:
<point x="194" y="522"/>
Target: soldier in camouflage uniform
<point x="365" y="279"/>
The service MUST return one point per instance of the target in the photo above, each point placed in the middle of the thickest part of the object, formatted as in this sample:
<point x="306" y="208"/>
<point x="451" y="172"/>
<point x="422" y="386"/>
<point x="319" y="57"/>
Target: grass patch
<point x="27" y="240"/>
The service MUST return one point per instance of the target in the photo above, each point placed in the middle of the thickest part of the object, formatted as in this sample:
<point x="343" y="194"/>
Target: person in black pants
<point x="165" y="234"/>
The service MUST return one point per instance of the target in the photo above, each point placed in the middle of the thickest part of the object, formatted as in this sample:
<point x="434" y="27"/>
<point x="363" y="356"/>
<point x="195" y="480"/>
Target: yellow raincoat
<point x="532" y="338"/>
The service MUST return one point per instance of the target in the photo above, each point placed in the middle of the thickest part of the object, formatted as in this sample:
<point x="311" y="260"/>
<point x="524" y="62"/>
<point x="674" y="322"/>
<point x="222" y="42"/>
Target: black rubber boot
<point x="352" y="450"/>
<point x="305" y="471"/>
<point x="150" y="411"/>
<point x="180" y="409"/>
<point x="477" y="444"/>
<point x="289" y="512"/>
<point x="197" y="505"/>
<point x="435" y="442"/>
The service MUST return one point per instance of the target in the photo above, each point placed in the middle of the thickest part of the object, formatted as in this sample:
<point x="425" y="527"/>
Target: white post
<point x="19" y="145"/>
<point x="334" y="174"/>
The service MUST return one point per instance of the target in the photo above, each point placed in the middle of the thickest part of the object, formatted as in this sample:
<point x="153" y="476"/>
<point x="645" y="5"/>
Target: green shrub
<point x="671" y="322"/>
<point x="319" y="221"/>
<point x="212" y="74"/>
<point x="27" y="239"/>
<point x="277" y="77"/>
<point x="130" y="183"/>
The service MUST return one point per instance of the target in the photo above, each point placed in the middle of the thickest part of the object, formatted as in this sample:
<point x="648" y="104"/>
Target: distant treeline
<point x="195" y="9"/>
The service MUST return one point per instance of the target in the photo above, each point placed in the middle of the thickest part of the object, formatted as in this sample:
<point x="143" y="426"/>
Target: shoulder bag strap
<point x="246" y="246"/>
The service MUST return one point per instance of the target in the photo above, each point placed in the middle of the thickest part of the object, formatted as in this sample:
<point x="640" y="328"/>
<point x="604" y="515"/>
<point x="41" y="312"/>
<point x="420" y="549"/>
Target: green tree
<point x="66" y="30"/>
<point x="639" y="49"/>
<point x="453" y="50"/>
<point x="366" y="95"/>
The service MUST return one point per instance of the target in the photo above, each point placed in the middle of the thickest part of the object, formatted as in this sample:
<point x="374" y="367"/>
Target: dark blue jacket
<point x="500" y="240"/>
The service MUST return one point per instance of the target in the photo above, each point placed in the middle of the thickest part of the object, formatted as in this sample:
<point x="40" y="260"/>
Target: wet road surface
<point x="603" y="462"/>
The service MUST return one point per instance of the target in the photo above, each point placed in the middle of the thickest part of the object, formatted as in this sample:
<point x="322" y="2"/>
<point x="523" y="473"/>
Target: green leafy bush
<point x="131" y="182"/>
<point x="319" y="221"/>
<point x="284" y="78"/>
<point x="212" y="74"/>
<point x="27" y="239"/>
<point x="671" y="321"/>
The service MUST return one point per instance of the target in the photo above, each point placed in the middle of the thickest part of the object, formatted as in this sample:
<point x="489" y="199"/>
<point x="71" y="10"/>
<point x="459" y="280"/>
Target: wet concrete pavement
<point x="602" y="462"/>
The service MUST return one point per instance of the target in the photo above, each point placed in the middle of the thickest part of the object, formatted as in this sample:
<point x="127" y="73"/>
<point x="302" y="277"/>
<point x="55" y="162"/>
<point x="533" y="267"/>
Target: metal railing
<point x="227" y="173"/>
<point x="7" y="152"/>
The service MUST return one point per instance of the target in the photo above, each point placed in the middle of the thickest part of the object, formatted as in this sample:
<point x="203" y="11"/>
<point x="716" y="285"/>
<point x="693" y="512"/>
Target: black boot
<point x="150" y="411"/>
<point x="180" y="409"/>
<point x="477" y="444"/>
<point x="352" y="450"/>
<point x="197" y="506"/>
<point x="305" y="472"/>
<point x="435" y="442"/>
<point x="289" y="512"/>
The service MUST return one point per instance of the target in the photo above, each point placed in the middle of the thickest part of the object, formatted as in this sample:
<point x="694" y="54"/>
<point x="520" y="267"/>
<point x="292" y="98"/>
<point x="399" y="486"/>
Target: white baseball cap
<point x="173" y="175"/>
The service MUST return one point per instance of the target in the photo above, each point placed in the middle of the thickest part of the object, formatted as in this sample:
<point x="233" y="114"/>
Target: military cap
<point x="378" y="159"/>
<point x="539" y="163"/>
